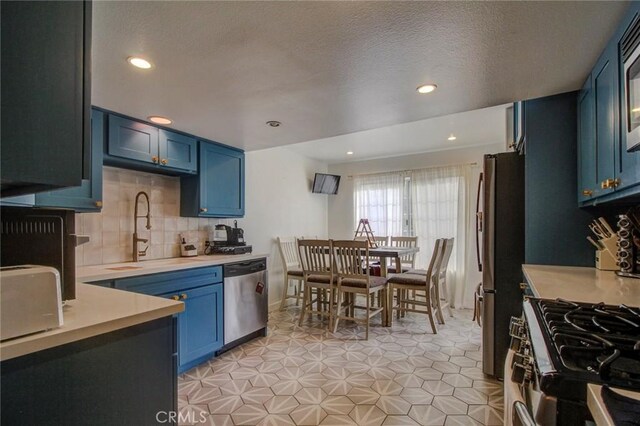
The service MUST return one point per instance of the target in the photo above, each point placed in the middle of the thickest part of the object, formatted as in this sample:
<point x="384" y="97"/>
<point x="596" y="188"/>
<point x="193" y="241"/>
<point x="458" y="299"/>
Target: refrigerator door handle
<point x="478" y="223"/>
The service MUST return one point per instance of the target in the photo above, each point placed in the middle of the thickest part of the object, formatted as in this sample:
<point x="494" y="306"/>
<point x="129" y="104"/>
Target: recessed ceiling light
<point x="160" y="120"/>
<point x="274" y="123"/>
<point x="349" y="152"/>
<point x="426" y="88"/>
<point x="139" y="62"/>
<point x="451" y="138"/>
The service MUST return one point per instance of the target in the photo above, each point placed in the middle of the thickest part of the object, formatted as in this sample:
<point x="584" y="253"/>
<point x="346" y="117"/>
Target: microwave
<point x="630" y="54"/>
<point x="31" y="236"/>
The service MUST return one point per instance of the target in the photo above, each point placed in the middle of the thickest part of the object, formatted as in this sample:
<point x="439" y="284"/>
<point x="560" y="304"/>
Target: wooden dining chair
<point x="408" y="261"/>
<point x="291" y="269"/>
<point x="421" y="284"/>
<point x="351" y="260"/>
<point x="381" y="241"/>
<point x="318" y="274"/>
<point x="440" y="292"/>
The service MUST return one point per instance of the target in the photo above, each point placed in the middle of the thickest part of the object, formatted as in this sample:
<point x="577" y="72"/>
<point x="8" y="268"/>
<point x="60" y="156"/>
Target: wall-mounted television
<point x="325" y="184"/>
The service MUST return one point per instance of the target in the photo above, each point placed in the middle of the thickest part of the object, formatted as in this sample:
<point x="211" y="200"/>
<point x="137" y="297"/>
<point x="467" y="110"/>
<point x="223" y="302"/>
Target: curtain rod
<point x="413" y="170"/>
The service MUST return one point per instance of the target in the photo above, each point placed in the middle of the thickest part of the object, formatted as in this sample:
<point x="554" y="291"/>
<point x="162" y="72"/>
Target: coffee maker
<point x="227" y="240"/>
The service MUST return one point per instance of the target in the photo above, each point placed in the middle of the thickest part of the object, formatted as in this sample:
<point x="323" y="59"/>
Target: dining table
<point x="388" y="254"/>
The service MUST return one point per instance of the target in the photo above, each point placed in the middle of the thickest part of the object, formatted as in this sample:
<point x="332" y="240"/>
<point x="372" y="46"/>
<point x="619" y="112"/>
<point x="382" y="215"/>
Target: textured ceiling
<point x="479" y="127"/>
<point x="222" y="69"/>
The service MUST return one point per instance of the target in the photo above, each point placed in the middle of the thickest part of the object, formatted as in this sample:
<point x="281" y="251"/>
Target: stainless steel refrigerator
<point x="501" y="224"/>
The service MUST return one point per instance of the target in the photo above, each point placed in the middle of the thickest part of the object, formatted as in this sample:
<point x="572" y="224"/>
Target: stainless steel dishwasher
<point x="246" y="296"/>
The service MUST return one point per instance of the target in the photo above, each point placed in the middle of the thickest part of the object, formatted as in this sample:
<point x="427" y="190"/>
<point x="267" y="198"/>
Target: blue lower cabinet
<point x="200" y="326"/>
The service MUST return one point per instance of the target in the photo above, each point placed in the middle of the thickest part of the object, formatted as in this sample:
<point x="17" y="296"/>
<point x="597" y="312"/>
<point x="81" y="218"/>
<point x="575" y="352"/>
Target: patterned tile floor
<point x="402" y="375"/>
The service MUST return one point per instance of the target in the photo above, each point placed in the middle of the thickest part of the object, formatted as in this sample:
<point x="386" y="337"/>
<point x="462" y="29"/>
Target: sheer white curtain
<point x="440" y="208"/>
<point x="379" y="198"/>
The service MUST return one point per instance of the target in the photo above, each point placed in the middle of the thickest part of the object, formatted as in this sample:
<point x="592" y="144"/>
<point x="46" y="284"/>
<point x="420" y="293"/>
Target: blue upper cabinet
<point x="218" y="189"/>
<point x="132" y="140"/>
<point x="46" y="96"/>
<point x="88" y="196"/>
<point x="588" y="185"/>
<point x="605" y="87"/>
<point x="178" y="151"/>
<point x="136" y="145"/>
<point x="606" y="171"/>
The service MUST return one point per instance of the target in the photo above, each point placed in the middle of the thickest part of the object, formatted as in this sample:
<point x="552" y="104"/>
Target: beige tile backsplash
<point x="111" y="230"/>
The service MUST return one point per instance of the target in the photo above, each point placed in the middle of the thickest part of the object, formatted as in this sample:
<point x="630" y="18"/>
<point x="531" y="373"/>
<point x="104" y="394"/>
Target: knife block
<point x="605" y="261"/>
<point x="607" y="258"/>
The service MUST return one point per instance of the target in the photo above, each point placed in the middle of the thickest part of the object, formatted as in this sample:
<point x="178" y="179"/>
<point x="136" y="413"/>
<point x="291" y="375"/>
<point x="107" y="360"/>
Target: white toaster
<point x="30" y="300"/>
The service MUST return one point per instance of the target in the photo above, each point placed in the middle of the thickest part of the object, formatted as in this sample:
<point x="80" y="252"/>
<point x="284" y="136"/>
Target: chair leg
<point x="398" y="299"/>
<point x="366" y="333"/>
<point x="298" y="287"/>
<point x="338" y="308"/>
<point x="430" y="314"/>
<point x="437" y="301"/>
<point x="306" y="300"/>
<point x="330" y="308"/>
<point x="285" y="292"/>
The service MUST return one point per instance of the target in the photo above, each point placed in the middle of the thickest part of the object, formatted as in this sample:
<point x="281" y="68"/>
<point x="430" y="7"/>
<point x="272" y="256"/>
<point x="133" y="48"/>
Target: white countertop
<point x="145" y="267"/>
<point x="96" y="310"/>
<point x="580" y="284"/>
<point x="596" y="404"/>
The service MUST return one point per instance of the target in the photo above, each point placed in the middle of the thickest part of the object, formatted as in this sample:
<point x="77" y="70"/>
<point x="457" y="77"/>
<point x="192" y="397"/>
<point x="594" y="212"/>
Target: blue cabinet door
<point x="222" y="181"/>
<point x="177" y="151"/>
<point x="588" y="185"/>
<point x="605" y="86"/>
<point x="21" y="201"/>
<point x="132" y="140"/>
<point x="88" y="196"/>
<point x="200" y="326"/>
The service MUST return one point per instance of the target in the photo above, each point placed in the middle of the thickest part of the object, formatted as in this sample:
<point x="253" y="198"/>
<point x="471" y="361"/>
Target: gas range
<point x="228" y="249"/>
<point x="561" y="346"/>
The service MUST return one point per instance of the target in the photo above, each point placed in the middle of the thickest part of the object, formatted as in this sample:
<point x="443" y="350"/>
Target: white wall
<point x="341" y="207"/>
<point x="279" y="202"/>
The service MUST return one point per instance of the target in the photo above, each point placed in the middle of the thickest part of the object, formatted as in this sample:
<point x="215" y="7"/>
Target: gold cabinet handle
<point x="164" y="161"/>
<point x="607" y="183"/>
<point x="175" y="297"/>
<point x="203" y="209"/>
<point x="183" y="296"/>
<point x="616" y="182"/>
<point x="154" y="159"/>
<point x="587" y="192"/>
<point x="98" y="203"/>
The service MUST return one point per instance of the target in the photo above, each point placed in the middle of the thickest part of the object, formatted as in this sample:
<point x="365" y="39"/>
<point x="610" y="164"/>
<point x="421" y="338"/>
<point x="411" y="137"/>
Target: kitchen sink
<point x="124" y="268"/>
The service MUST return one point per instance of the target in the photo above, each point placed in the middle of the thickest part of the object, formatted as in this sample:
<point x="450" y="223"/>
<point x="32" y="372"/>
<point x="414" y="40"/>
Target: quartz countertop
<point x="579" y="284"/>
<point x="596" y="404"/>
<point x="96" y="310"/>
<point x="145" y="267"/>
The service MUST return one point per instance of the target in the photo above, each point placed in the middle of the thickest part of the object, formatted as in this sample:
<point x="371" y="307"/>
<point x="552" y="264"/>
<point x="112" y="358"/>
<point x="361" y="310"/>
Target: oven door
<point x="632" y="99"/>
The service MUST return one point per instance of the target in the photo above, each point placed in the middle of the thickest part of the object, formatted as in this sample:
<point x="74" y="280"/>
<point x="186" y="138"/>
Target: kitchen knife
<point x="606" y="225"/>
<point x="600" y="228"/>
<point x="596" y="231"/>
<point x="595" y="243"/>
